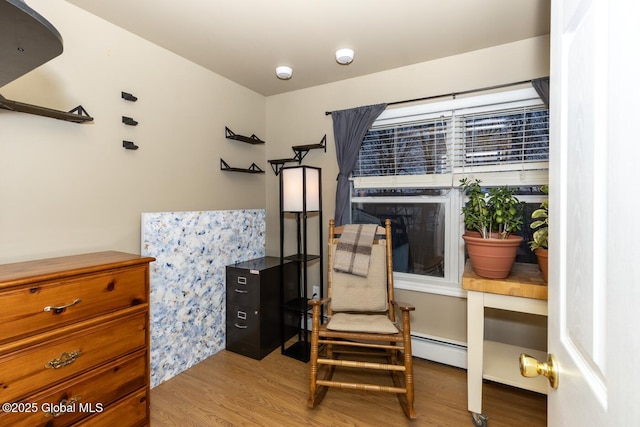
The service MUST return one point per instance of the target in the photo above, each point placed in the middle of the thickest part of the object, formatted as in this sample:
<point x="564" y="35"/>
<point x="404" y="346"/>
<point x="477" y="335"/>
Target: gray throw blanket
<point x="354" y="249"/>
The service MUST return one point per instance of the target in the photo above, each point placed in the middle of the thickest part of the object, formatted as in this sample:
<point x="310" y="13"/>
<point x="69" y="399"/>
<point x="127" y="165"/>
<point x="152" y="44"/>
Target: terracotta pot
<point x="492" y="258"/>
<point x="475" y="233"/>
<point x="543" y="261"/>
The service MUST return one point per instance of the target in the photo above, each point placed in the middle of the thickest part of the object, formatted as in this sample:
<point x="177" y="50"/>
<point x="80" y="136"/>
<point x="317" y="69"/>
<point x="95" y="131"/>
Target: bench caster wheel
<point x="478" y="420"/>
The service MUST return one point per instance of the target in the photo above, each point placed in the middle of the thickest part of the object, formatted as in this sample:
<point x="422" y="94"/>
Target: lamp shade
<point x="300" y="184"/>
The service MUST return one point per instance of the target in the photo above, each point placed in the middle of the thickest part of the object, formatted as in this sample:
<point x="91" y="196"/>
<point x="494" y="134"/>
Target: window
<point x="410" y="164"/>
<point x="412" y="216"/>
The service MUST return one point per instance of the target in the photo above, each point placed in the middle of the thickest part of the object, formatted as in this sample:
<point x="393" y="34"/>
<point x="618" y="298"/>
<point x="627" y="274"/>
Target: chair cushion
<point x="356" y="293"/>
<point x="371" y="323"/>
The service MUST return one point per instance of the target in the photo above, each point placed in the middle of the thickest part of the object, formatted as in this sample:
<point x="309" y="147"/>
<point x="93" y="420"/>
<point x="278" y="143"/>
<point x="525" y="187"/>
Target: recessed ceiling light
<point x="344" y="56"/>
<point x="283" y="72"/>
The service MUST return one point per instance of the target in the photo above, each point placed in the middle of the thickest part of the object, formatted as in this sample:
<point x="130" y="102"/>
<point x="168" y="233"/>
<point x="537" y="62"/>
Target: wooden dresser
<point x="74" y="341"/>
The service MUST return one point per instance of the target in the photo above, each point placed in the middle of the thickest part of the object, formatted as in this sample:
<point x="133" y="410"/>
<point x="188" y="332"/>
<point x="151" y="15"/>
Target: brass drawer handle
<point x="64" y="360"/>
<point x="63" y="403"/>
<point x="57" y="309"/>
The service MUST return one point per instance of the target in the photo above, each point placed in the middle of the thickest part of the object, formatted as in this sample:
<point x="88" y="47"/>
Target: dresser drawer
<point x="132" y="411"/>
<point x="80" y="397"/>
<point x="69" y="352"/>
<point x="243" y="287"/>
<point x="47" y="305"/>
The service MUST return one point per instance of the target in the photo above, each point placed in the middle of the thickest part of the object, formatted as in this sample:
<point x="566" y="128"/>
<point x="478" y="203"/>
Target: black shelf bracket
<point x="129" y="145"/>
<point x="77" y="115"/>
<point x="128" y="97"/>
<point x="229" y="134"/>
<point x="129" y="121"/>
<point x="251" y="169"/>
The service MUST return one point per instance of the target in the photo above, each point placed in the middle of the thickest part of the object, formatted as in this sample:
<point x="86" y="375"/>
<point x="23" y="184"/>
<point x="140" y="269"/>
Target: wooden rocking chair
<point x="361" y="323"/>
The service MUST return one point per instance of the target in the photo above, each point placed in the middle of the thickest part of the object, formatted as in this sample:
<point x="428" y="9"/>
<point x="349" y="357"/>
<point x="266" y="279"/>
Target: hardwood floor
<point x="228" y="389"/>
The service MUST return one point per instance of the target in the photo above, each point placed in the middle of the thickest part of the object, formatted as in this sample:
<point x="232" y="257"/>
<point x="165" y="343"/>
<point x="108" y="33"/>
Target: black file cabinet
<point x="254" y="305"/>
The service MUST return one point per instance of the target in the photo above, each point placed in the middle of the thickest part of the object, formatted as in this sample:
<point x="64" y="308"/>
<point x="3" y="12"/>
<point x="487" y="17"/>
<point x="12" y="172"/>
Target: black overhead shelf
<point x="27" y="40"/>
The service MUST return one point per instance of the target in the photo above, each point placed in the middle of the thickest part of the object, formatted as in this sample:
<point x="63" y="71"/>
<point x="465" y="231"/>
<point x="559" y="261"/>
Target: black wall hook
<point x="129" y="145"/>
<point x="129" y="97"/>
<point x="129" y="121"/>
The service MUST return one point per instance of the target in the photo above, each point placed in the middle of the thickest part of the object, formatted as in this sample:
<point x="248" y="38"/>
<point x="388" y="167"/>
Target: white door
<point x="594" y="284"/>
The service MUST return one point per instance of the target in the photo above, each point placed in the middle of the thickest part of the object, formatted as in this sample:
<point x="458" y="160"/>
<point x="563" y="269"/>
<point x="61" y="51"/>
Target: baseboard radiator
<point x="436" y="349"/>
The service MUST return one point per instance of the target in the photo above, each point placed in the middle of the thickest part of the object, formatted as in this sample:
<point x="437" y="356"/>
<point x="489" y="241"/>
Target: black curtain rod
<point x="452" y="94"/>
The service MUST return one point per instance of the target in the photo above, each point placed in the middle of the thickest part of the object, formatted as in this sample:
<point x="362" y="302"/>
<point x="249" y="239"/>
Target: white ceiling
<point x="244" y="40"/>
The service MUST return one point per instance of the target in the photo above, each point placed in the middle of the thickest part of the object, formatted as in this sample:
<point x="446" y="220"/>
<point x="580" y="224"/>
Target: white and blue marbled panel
<point x="192" y="250"/>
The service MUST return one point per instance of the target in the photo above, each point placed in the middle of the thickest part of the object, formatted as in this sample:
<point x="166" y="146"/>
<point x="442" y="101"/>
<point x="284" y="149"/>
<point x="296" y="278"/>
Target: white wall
<point x="69" y="188"/>
<point x="299" y="118"/>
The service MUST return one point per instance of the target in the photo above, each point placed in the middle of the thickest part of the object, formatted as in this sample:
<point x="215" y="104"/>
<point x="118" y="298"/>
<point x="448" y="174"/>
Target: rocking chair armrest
<point x="403" y="306"/>
<point x="319" y="301"/>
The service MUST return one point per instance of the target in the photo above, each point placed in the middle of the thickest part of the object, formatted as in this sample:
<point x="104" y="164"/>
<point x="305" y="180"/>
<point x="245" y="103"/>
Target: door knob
<point x="531" y="367"/>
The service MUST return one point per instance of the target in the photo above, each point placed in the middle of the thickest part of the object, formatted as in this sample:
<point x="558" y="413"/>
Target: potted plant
<point x="490" y="220"/>
<point x="540" y="245"/>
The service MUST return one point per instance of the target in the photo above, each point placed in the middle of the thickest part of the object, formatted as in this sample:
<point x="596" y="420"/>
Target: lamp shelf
<point x="298" y="304"/>
<point x="297" y="351"/>
<point x="253" y="139"/>
<point x="301" y="257"/>
<point x="251" y="169"/>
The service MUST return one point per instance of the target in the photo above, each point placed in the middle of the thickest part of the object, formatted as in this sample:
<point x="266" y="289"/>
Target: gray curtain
<point x="542" y="88"/>
<point x="349" y="128"/>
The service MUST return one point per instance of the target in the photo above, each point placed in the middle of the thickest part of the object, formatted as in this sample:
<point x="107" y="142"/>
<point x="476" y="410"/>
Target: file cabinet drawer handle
<point x="57" y="309"/>
<point x="64" y="360"/>
<point x="240" y="326"/>
<point x="240" y="291"/>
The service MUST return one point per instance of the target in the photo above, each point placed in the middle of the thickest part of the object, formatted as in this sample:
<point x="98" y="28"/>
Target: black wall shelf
<point x="77" y="115"/>
<point x="251" y="169"/>
<point x="300" y="152"/>
<point x="229" y="134"/>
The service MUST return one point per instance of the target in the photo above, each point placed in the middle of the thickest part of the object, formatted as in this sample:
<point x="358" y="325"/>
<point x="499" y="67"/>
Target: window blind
<point x="506" y="140"/>
<point x="438" y="148"/>
<point x="405" y="149"/>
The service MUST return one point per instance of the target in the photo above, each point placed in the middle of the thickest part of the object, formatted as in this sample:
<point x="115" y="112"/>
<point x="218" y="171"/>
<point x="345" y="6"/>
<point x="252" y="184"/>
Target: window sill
<point x="437" y="288"/>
